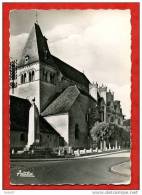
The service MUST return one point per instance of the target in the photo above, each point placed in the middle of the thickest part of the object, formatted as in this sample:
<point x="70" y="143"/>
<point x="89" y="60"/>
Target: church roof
<point x="36" y="48"/>
<point x="70" y="72"/>
<point x="30" y="50"/>
<point x="19" y="116"/>
<point x="87" y="94"/>
<point x="63" y="102"/>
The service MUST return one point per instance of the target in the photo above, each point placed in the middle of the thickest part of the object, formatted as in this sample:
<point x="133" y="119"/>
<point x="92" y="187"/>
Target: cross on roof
<point x="36" y="17"/>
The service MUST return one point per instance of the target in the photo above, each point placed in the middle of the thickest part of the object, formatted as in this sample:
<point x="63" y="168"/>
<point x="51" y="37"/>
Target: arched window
<point x="119" y="121"/>
<point x="33" y="76"/>
<point x="22" y="137"/>
<point x="62" y="78"/>
<point x="52" y="78"/>
<point x="111" y="119"/>
<point x="76" y="131"/>
<point x="40" y="138"/>
<point x="30" y="77"/>
<point x="22" y="78"/>
<point x="46" y="76"/>
<point x="102" y="116"/>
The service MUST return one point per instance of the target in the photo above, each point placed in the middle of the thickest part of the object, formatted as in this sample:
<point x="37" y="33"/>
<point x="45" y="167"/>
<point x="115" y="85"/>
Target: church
<point x="65" y="104"/>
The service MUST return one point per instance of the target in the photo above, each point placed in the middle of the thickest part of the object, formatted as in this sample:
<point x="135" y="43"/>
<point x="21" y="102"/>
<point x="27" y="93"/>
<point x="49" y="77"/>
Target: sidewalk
<point x="122" y="169"/>
<point x="72" y="158"/>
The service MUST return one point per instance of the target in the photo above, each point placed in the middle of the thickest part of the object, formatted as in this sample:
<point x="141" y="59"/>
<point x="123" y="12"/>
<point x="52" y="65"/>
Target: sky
<point x="96" y="42"/>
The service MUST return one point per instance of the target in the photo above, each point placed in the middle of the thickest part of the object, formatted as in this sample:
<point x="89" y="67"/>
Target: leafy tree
<point x="110" y="132"/>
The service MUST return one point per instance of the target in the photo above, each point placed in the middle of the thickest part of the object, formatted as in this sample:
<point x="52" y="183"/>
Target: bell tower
<point x="28" y="69"/>
<point x="36" y="71"/>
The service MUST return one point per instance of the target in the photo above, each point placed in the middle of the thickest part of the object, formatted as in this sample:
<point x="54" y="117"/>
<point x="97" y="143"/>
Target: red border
<point x="134" y="7"/>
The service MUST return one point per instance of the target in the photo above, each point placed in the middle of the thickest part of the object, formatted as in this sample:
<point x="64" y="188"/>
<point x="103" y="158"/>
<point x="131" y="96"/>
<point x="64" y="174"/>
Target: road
<point x="80" y="171"/>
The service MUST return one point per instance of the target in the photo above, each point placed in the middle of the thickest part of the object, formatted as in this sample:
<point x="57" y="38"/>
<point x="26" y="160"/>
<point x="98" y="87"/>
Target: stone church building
<point x="67" y="103"/>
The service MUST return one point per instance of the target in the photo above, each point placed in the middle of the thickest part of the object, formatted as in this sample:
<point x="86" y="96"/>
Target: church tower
<point x="93" y="90"/>
<point x="103" y="93"/>
<point x="36" y="70"/>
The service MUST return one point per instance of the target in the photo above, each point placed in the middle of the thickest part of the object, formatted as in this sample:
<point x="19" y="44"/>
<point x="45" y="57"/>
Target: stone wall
<point x="60" y="123"/>
<point x="47" y="94"/>
<point x="17" y="139"/>
<point x="78" y="119"/>
<point x="28" y="89"/>
<point x="49" y="140"/>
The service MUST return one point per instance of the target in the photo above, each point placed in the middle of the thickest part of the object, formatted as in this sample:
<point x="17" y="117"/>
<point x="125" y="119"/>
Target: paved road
<point x="81" y="171"/>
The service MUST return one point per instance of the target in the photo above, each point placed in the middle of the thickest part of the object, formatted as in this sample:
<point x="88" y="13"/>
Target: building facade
<point x="109" y="108"/>
<point x="68" y="104"/>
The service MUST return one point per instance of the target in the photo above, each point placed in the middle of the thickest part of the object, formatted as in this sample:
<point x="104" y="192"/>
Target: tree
<point x="99" y="133"/>
<point x="110" y="134"/>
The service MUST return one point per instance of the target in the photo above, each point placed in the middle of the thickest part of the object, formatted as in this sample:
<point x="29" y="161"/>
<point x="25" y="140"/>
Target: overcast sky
<point x="97" y="42"/>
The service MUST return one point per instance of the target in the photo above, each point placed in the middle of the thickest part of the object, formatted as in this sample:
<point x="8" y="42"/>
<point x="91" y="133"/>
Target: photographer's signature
<point x="21" y="173"/>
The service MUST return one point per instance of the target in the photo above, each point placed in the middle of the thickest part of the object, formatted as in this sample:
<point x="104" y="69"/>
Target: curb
<point x="65" y="159"/>
<point x="113" y="170"/>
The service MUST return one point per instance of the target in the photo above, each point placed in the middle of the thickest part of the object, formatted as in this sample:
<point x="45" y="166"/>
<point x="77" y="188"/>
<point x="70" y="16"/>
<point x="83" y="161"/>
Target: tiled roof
<point x="30" y="49"/>
<point x="87" y="94"/>
<point x="70" y="72"/>
<point x="36" y="48"/>
<point x="19" y="116"/>
<point x="63" y="102"/>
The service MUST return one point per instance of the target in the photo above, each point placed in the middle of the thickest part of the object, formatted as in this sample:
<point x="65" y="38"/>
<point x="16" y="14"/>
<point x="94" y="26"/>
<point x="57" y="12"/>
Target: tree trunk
<point x="101" y="145"/>
<point x="104" y="148"/>
<point x="116" y="144"/>
<point x="109" y="146"/>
